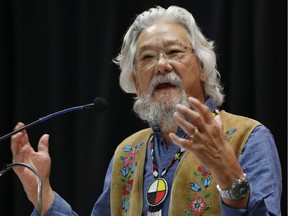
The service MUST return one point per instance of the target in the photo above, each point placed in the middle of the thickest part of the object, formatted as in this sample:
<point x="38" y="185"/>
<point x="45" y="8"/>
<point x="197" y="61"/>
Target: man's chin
<point x="165" y="98"/>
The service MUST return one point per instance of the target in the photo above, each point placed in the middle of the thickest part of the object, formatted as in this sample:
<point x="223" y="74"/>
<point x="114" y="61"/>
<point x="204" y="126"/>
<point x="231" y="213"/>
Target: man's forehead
<point x="162" y="34"/>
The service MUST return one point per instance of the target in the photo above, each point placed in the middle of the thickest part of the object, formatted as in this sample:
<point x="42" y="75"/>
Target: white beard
<point x="158" y="111"/>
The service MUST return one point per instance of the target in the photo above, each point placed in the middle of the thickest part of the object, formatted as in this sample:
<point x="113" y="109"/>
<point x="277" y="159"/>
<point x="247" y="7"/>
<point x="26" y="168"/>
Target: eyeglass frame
<point x="168" y="54"/>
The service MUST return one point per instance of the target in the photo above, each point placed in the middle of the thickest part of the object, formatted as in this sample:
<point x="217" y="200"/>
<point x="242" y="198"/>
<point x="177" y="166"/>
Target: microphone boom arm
<point x="45" y="118"/>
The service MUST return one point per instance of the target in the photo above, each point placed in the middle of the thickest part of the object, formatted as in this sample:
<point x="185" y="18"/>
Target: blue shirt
<point x="259" y="160"/>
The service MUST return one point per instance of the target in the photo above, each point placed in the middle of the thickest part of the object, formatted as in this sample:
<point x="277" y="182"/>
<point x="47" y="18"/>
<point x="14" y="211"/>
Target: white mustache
<point x="171" y="77"/>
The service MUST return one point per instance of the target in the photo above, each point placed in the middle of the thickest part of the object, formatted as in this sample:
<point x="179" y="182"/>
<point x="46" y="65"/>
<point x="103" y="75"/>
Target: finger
<point x="184" y="143"/>
<point x="194" y="117"/>
<point x="19" y="140"/>
<point x="196" y="136"/>
<point x="218" y="121"/>
<point x="18" y="126"/>
<point x="184" y="124"/>
<point x="219" y="124"/>
<point x="202" y="109"/>
<point x="43" y="145"/>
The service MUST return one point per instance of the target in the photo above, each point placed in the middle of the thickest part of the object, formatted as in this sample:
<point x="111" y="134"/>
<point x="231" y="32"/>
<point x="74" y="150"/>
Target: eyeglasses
<point x="148" y="58"/>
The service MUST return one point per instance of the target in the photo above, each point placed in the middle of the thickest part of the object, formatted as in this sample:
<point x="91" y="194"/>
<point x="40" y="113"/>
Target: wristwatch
<point x="238" y="190"/>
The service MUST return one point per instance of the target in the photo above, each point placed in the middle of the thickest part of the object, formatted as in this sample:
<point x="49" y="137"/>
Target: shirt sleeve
<point x="260" y="161"/>
<point x="59" y="208"/>
<point x="102" y="205"/>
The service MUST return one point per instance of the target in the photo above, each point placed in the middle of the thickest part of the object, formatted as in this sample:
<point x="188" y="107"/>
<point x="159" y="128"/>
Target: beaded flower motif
<point x="129" y="166"/>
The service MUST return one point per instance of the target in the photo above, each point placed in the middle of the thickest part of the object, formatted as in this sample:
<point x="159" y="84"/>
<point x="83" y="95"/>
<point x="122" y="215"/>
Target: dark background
<point x="58" y="53"/>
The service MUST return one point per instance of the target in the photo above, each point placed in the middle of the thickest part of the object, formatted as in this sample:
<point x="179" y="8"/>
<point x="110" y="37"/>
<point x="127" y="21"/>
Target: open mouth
<point x="165" y="85"/>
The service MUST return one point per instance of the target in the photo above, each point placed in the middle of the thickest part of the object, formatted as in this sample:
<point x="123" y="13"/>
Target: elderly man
<point x="195" y="158"/>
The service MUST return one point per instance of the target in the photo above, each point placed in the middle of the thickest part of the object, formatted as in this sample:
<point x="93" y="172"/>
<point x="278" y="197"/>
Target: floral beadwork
<point x="198" y="205"/>
<point x="229" y="134"/>
<point x="129" y="159"/>
<point x="129" y="166"/>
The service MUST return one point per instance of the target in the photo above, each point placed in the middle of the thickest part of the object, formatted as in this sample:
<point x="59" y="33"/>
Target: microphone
<point x="100" y="105"/>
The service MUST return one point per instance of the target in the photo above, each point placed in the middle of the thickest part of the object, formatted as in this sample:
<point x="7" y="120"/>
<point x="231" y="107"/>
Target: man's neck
<point x="167" y="139"/>
<point x="166" y="136"/>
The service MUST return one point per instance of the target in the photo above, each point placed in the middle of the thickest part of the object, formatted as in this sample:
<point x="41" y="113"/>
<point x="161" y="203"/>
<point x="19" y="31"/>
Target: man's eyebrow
<point x="145" y="47"/>
<point x="166" y="43"/>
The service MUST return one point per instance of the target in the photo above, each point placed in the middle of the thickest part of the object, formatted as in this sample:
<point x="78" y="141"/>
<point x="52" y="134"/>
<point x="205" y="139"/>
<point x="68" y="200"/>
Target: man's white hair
<point x="203" y="49"/>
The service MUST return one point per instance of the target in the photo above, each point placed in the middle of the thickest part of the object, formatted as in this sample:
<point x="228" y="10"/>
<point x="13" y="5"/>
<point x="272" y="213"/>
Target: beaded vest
<point x="193" y="191"/>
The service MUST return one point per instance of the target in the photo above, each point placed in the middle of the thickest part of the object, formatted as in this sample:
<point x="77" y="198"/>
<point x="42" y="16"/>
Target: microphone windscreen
<point x="100" y="104"/>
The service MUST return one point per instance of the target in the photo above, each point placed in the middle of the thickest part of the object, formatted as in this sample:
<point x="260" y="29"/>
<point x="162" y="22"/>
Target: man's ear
<point x="203" y="77"/>
<point x="136" y="82"/>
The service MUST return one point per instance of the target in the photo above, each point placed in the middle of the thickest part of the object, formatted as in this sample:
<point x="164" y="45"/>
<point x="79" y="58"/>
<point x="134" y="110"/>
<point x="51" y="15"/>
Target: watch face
<point x="239" y="189"/>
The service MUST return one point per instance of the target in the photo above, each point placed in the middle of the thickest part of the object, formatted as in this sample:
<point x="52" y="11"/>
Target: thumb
<point x="43" y="145"/>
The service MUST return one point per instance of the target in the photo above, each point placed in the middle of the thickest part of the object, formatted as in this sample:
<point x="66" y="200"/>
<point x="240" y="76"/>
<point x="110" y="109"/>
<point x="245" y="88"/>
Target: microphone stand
<point x="39" y="188"/>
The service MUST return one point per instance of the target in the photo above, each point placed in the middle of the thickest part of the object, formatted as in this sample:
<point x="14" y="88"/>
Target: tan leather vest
<point x="193" y="190"/>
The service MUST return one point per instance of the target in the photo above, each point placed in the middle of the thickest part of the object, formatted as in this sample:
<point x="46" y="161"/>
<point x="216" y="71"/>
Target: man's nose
<point x="162" y="64"/>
